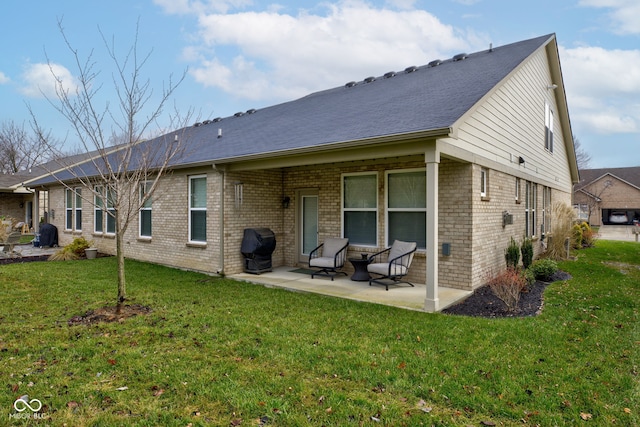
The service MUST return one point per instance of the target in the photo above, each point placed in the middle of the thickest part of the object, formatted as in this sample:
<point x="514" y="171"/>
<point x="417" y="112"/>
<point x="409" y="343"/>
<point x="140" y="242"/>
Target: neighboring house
<point x="463" y="153"/>
<point x="16" y="201"/>
<point x="608" y="196"/>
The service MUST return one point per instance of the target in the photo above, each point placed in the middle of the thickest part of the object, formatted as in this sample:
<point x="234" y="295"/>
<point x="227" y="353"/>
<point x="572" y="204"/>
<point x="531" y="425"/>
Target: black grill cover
<point x="257" y="246"/>
<point x="48" y="235"/>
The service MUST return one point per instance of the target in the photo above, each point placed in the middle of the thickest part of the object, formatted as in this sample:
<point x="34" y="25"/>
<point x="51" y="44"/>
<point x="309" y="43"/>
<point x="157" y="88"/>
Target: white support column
<point x="432" y="159"/>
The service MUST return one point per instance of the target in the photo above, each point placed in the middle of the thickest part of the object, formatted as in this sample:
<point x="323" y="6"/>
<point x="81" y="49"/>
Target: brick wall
<point x="472" y="225"/>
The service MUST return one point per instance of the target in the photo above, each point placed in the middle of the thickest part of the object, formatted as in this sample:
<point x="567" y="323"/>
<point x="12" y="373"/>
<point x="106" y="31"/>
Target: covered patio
<point x="403" y="296"/>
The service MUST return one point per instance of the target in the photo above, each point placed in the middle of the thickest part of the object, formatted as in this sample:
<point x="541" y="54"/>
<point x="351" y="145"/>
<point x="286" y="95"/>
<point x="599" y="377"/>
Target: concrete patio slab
<point x="403" y="296"/>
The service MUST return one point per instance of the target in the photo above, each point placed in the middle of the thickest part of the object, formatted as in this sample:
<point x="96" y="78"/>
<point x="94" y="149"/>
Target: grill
<point x="257" y="246"/>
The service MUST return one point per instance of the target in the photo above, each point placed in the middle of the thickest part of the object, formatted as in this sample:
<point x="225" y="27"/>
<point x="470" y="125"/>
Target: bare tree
<point x="120" y="169"/>
<point x="21" y="149"/>
<point x="582" y="157"/>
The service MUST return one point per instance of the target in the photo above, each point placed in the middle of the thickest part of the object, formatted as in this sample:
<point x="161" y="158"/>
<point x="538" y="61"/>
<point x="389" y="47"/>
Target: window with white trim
<point x="104" y="211"/>
<point x="198" y="208"/>
<point x="407" y="206"/>
<point x="145" y="210"/>
<point x="68" y="209"/>
<point x="111" y="211"/>
<point x="73" y="209"/>
<point x="517" y="190"/>
<point x="98" y="210"/>
<point x="360" y="208"/>
<point x="530" y="208"/>
<point x="483" y="182"/>
<point x="548" y="127"/>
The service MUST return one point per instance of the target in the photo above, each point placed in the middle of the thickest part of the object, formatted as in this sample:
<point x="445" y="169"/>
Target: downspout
<point x="221" y="171"/>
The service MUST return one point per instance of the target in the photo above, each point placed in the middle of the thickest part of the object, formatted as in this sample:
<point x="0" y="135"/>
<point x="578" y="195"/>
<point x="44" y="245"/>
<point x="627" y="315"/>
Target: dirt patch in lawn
<point x="109" y="314"/>
<point x="484" y="303"/>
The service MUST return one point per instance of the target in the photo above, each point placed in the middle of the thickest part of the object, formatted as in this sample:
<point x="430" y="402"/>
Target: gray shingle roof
<point x="428" y="99"/>
<point x="630" y="175"/>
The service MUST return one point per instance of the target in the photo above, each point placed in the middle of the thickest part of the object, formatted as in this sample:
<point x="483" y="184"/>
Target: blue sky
<point x="242" y="54"/>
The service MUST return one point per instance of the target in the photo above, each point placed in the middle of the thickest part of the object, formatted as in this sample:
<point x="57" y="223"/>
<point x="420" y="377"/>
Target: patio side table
<point x="360" y="266"/>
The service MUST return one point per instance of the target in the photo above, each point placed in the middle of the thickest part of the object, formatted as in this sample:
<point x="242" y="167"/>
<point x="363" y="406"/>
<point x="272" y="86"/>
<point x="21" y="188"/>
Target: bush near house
<point x="73" y="250"/>
<point x="508" y="285"/>
<point x="512" y="254"/>
<point x="527" y="252"/>
<point x="544" y="269"/>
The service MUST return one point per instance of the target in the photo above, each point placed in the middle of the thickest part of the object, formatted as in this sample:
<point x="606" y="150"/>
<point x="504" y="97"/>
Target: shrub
<point x="544" y="269"/>
<point x="587" y="236"/>
<point x="512" y="254"/>
<point x="78" y="246"/>
<point x="527" y="252"/>
<point x="508" y="286"/>
<point x="73" y="250"/>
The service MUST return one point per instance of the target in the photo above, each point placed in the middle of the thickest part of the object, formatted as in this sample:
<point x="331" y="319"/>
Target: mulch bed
<point x="109" y="314"/>
<point x="484" y="303"/>
<point x="20" y="260"/>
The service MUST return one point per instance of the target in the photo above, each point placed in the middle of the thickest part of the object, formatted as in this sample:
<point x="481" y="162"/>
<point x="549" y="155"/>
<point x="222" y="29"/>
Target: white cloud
<point x="603" y="88"/>
<point x="624" y="14"/>
<point x="3" y="78"/>
<point x="39" y="80"/>
<point x="274" y="55"/>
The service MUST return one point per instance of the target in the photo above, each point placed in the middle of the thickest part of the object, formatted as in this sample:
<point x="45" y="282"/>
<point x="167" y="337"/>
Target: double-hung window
<point x="360" y="208"/>
<point x="73" y="209"/>
<point x="104" y="217"/>
<point x="111" y="211"/>
<point x="548" y="127"/>
<point x="530" y="209"/>
<point x="198" y="208"/>
<point x="98" y="209"/>
<point x="407" y="206"/>
<point x="517" y="195"/>
<point x="145" y="210"/>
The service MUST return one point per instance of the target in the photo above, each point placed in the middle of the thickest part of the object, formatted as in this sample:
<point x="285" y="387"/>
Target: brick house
<point x="604" y="194"/>
<point x="467" y="152"/>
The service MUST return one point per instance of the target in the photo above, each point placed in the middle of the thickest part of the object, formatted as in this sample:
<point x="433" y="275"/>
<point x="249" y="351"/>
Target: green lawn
<point x="220" y="352"/>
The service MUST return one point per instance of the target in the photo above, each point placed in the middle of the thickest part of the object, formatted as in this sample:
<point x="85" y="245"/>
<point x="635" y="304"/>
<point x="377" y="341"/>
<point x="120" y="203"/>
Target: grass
<point x="220" y="352"/>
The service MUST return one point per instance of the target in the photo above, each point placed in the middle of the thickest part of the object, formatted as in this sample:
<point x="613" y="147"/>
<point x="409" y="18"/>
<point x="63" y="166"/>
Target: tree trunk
<point x="122" y="292"/>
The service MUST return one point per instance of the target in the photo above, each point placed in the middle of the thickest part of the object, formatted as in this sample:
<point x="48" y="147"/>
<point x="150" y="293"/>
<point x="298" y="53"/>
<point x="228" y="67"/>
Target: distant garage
<point x="608" y="196"/>
<point x="620" y="216"/>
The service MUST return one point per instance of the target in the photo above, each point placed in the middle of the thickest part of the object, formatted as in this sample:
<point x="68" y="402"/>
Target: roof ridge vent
<point x="251" y="111"/>
<point x="239" y="114"/>
<point x="434" y="63"/>
<point x="350" y="84"/>
<point x="389" y="74"/>
<point x="197" y="124"/>
<point x="217" y="119"/>
<point x="370" y="79"/>
<point x="206" y="122"/>
<point x="411" y="69"/>
<point x="460" y="57"/>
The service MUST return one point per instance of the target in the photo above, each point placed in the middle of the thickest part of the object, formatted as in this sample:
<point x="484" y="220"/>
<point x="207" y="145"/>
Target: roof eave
<point x="323" y="148"/>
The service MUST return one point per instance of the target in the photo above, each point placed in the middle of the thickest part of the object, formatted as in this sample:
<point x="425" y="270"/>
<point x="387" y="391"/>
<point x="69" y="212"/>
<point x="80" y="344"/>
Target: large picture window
<point x="407" y="207"/>
<point x="145" y="211"/>
<point x="360" y="208"/>
<point x="198" y="208"/>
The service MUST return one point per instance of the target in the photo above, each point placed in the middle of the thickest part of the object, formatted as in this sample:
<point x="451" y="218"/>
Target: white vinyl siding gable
<point x="510" y="123"/>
